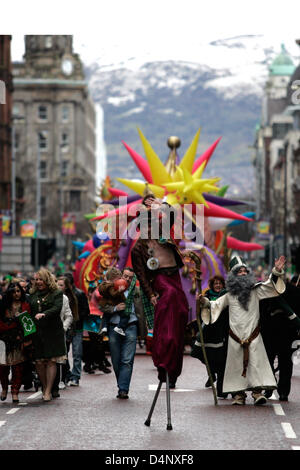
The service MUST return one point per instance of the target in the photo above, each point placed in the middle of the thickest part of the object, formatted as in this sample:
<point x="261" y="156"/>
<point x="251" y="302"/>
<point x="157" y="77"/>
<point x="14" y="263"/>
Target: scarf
<point x="130" y="297"/>
<point x="147" y="305"/>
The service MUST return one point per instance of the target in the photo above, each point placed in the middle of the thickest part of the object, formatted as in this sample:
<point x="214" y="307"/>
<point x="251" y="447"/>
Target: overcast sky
<point x="149" y="28"/>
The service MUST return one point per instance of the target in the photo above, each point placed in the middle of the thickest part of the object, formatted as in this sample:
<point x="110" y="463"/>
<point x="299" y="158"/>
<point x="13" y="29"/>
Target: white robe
<point x="243" y="322"/>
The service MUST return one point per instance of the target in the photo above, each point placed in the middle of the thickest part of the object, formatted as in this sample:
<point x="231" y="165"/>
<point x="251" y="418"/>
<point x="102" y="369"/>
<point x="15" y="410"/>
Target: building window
<point x="43" y="169"/>
<point x="17" y="141"/>
<point x="64" y="168"/>
<point x="16" y="110"/>
<point x="43" y="206"/>
<point x="42" y="112"/>
<point x="280" y="130"/>
<point x="75" y="201"/>
<point x="19" y="189"/>
<point x="65" y="141"/>
<point x="65" y="112"/>
<point x="43" y="140"/>
<point x="48" y="42"/>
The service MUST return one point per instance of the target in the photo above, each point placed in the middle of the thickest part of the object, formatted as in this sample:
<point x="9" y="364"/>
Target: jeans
<point x="122" y="350"/>
<point x="76" y="342"/>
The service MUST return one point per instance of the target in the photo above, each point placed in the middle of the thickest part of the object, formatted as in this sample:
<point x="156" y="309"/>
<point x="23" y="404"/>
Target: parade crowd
<point x="250" y="329"/>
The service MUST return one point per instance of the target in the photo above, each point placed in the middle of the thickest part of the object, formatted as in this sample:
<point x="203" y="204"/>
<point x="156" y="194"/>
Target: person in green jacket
<point x="49" y="340"/>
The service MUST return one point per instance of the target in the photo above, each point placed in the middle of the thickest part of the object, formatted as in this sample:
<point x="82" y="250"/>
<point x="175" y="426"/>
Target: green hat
<point x="236" y="262"/>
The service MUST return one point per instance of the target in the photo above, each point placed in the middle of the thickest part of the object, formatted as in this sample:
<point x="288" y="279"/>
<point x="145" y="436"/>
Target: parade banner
<point x="6" y="223"/>
<point x="69" y="224"/>
<point x="28" y="228"/>
<point x="27" y="323"/>
<point x="263" y="229"/>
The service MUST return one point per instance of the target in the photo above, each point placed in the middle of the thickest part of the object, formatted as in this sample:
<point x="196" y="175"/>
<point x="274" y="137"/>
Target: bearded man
<point x="247" y="365"/>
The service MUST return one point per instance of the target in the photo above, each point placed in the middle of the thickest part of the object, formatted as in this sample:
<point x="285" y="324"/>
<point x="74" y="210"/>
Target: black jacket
<point x="83" y="308"/>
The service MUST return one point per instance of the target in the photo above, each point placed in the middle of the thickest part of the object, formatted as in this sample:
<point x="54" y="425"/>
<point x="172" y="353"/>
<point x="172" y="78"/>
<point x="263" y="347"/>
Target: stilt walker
<point x="156" y="263"/>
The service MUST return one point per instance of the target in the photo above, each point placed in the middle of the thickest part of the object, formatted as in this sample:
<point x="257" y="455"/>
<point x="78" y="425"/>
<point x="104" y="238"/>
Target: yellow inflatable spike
<point x="210" y="187"/>
<point x="172" y="186"/>
<point x="199" y="171"/>
<point x="172" y="199"/>
<point x="178" y="175"/>
<point x="188" y="160"/>
<point x="188" y="178"/>
<point x="199" y="199"/>
<point x="139" y="187"/>
<point x="158" y="171"/>
<point x="202" y="187"/>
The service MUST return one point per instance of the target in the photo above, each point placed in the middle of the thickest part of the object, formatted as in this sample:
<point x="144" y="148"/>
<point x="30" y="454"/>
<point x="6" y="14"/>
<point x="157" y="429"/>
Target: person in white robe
<point x="247" y="365"/>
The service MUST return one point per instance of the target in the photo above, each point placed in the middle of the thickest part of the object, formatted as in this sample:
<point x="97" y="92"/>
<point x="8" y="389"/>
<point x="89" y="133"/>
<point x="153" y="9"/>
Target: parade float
<point x="180" y="183"/>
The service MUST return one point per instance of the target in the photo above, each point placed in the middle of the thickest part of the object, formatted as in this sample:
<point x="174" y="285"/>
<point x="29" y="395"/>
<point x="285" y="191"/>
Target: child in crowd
<point x="112" y="296"/>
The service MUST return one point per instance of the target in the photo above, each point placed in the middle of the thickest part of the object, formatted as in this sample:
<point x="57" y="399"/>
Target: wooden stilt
<point x="148" y="420"/>
<point x="169" y="424"/>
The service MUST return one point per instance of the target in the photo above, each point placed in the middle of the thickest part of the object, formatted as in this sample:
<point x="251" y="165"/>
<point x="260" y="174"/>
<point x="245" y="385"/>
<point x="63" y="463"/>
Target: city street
<point x="90" y="417"/>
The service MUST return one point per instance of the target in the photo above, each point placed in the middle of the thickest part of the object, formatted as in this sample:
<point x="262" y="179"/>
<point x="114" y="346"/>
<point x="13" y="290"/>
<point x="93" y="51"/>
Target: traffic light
<point x="46" y="249"/>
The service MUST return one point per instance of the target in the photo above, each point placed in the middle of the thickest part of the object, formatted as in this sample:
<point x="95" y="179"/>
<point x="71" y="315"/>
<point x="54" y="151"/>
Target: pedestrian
<point x="122" y="347"/>
<point x="49" y="340"/>
<point x="74" y="375"/>
<point x="93" y="344"/>
<point x="156" y="261"/>
<point x="67" y="319"/>
<point x="247" y="365"/>
<point x="215" y="338"/>
<point x="13" y="303"/>
<point x="112" y="294"/>
<point x="280" y="327"/>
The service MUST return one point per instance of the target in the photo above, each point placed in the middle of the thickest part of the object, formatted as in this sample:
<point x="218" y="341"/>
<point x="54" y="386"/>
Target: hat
<point x="147" y="193"/>
<point x="236" y="262"/>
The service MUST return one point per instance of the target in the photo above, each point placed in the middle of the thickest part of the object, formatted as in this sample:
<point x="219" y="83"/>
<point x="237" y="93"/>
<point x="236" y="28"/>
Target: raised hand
<point x="280" y="262"/>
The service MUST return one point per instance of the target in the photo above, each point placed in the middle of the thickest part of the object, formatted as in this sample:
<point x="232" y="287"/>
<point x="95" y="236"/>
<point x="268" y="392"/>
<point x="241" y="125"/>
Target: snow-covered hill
<point x="173" y="94"/>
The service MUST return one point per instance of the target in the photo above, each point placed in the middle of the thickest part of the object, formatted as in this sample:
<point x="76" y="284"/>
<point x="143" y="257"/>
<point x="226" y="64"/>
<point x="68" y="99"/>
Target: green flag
<point x="27" y="323"/>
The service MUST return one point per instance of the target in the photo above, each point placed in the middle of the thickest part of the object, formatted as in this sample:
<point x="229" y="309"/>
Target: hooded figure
<point x="247" y="365"/>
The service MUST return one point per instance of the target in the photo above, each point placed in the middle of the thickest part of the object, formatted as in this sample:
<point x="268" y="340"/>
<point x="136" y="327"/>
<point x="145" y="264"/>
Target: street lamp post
<point x="61" y="193"/>
<point x="13" y="174"/>
<point x="13" y="182"/>
<point x="38" y="205"/>
<point x="285" y="204"/>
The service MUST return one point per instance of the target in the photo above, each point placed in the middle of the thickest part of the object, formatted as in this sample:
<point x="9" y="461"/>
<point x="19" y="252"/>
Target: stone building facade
<point x="6" y="89"/>
<point x="55" y="131"/>
<point x="277" y="158"/>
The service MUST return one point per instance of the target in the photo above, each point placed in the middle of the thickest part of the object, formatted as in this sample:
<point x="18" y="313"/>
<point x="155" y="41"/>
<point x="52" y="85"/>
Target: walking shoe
<point x="259" y="399"/>
<point x="55" y="394"/>
<point x="27" y="386"/>
<point x="268" y="393"/>
<point x="122" y="394"/>
<point x="61" y="385"/>
<point x="119" y="330"/>
<point x="283" y="398"/>
<point x="103" y="330"/>
<point x="239" y="400"/>
<point x="222" y="395"/>
<point x="72" y="383"/>
<point x="106" y="362"/>
<point x="104" y="369"/>
<point x="207" y="384"/>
